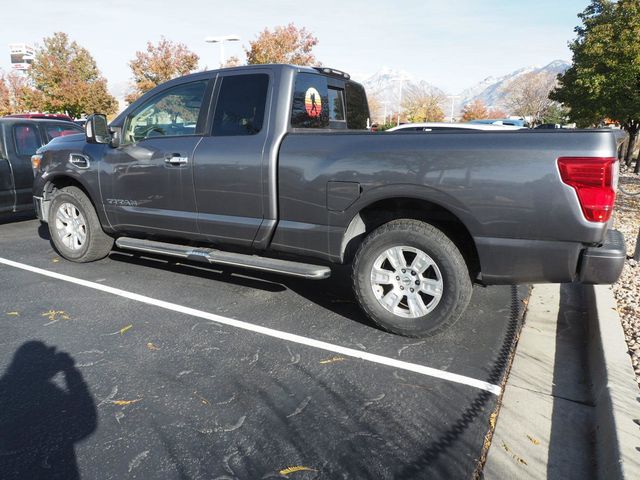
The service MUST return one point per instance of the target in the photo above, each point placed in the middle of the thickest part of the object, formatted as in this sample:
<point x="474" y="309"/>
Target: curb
<point x="614" y="388"/>
<point x="571" y="404"/>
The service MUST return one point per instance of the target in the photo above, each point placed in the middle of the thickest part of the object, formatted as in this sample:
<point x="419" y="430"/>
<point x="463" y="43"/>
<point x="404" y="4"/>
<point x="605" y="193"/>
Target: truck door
<point x="147" y="182"/>
<point x="27" y="140"/>
<point x="228" y="173"/>
<point x="7" y="194"/>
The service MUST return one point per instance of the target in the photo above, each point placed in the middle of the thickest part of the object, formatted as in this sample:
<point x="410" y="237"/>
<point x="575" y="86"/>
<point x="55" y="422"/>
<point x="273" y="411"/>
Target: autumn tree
<point x="288" y="44"/>
<point x="232" y="61"/>
<point x="376" y="109"/>
<point x="19" y="91"/>
<point x="496" y="112"/>
<point x="422" y="105"/>
<point x="159" y="63"/>
<point x="65" y="78"/>
<point x="474" y="110"/>
<point x="528" y="95"/>
<point x="5" y="102"/>
<point x="602" y="81"/>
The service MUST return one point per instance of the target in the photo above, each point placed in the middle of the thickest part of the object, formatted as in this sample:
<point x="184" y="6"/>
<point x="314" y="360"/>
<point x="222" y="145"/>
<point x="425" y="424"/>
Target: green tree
<point x="604" y="78"/>
<point x="158" y="64"/>
<point x="288" y="44"/>
<point x="556" y="113"/>
<point x="65" y="78"/>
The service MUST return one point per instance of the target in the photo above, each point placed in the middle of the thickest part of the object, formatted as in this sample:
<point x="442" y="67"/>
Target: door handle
<point x="176" y="159"/>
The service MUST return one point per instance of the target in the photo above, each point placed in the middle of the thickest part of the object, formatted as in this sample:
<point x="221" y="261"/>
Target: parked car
<point x="19" y="139"/>
<point x="271" y="167"/>
<point x="501" y="121"/>
<point x="41" y="116"/>
<point x="450" y="127"/>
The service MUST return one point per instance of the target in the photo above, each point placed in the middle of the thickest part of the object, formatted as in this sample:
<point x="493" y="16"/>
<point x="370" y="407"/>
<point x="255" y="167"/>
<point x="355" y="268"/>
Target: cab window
<point x="171" y="113"/>
<point x="357" y="106"/>
<point x="241" y="104"/>
<point x="61" y="129"/>
<point x="27" y="139"/>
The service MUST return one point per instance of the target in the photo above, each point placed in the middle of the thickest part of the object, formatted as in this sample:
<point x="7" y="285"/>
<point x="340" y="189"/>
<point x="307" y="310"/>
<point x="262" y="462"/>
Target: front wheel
<point x="411" y="279"/>
<point x="75" y="228"/>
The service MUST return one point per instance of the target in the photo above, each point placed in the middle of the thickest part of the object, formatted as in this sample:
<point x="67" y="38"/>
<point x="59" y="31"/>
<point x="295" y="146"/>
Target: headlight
<point x="35" y="162"/>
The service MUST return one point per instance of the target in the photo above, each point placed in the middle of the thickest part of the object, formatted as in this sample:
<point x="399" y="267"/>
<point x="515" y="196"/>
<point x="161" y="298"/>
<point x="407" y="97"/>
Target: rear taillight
<point x="592" y="179"/>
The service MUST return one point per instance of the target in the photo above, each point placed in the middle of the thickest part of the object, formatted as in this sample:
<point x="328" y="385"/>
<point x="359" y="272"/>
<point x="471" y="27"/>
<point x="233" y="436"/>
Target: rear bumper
<point x="505" y="261"/>
<point x="603" y="264"/>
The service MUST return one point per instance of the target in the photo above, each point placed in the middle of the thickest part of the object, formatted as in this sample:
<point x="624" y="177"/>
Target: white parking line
<point x="270" y="332"/>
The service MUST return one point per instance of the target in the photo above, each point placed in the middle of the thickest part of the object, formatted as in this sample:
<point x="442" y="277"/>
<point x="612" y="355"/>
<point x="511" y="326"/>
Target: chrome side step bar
<point x="254" y="262"/>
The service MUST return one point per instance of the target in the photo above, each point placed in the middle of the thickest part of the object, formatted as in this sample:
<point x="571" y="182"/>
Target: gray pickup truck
<point x="272" y="168"/>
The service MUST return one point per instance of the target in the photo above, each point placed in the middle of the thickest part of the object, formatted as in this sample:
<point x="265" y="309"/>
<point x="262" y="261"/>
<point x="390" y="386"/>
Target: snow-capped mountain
<point x="491" y="90"/>
<point x="384" y="85"/>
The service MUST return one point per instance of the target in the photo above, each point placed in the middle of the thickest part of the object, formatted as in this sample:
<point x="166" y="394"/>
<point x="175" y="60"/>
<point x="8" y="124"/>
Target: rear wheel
<point x="411" y="279"/>
<point x="75" y="228"/>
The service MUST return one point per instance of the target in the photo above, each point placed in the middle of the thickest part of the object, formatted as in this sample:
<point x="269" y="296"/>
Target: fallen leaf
<point x="202" y="399"/>
<point x="517" y="458"/>
<point x="332" y="360"/>
<point x="288" y="470"/>
<point x="13" y="314"/>
<point x="55" y="315"/>
<point x="533" y="440"/>
<point x="125" y="402"/>
<point x="124" y="329"/>
<point x="55" y="260"/>
<point x="492" y="420"/>
<point x="151" y="346"/>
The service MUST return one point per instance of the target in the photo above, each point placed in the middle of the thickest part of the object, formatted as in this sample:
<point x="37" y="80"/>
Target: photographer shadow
<point x="45" y="408"/>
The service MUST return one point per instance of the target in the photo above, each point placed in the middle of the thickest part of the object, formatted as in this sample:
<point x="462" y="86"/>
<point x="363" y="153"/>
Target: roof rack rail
<point x="333" y="72"/>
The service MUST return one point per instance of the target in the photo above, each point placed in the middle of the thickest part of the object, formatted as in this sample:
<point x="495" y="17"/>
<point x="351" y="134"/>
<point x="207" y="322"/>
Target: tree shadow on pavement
<point x="334" y="294"/>
<point x="45" y="408"/>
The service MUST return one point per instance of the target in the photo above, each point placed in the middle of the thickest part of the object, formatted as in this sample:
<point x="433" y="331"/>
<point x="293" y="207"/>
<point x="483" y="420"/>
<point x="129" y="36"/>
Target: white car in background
<point x="447" y="127"/>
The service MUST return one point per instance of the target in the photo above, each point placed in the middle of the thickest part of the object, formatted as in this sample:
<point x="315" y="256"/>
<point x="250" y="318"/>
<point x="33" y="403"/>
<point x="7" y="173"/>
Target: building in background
<point x="22" y="56"/>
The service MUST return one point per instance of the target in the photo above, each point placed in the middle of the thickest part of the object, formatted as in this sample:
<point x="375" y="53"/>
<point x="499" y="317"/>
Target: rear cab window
<point x="325" y="102"/>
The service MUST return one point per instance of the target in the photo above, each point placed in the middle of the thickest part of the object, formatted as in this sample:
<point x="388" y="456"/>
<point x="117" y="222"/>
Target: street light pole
<point x="400" y="100"/>
<point x="221" y="40"/>
<point x="452" y="97"/>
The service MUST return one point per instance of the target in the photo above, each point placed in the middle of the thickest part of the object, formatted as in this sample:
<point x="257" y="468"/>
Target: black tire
<point x="96" y="244"/>
<point x="452" y="270"/>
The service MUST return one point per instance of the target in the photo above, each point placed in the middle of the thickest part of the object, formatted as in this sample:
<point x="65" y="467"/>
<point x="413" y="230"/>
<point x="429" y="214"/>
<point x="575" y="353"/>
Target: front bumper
<point x="42" y="208"/>
<point x="603" y="264"/>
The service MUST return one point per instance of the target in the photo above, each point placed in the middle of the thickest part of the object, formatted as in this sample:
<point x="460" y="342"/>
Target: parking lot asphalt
<point x="154" y="387"/>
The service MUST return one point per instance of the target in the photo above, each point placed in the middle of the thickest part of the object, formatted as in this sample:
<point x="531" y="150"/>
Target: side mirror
<point x="96" y="129"/>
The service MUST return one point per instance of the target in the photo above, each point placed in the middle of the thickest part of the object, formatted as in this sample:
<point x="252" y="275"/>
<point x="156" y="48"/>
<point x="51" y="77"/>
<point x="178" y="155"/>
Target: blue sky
<point x="452" y="44"/>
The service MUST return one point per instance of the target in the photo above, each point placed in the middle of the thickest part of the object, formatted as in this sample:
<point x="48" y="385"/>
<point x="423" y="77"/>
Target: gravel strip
<point x="627" y="288"/>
